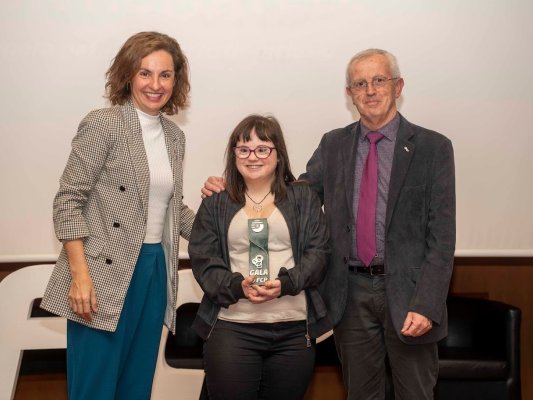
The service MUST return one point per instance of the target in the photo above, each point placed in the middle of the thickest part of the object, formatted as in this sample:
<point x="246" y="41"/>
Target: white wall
<point x="467" y="67"/>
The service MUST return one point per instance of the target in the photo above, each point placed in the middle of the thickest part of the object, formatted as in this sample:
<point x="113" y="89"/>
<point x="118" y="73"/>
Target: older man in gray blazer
<point x="394" y="304"/>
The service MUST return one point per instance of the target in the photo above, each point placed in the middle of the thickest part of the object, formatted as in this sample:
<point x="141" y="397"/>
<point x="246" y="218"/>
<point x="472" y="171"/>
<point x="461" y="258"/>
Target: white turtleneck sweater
<point x="161" y="184"/>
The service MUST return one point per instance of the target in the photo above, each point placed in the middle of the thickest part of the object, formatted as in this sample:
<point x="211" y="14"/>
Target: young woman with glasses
<point x="259" y="250"/>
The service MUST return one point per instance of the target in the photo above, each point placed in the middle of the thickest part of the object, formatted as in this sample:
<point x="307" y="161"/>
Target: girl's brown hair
<point x="266" y="129"/>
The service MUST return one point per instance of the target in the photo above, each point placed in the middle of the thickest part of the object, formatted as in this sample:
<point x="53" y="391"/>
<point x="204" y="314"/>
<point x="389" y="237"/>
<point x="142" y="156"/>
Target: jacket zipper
<point x="211" y="330"/>
<point x="307" y="337"/>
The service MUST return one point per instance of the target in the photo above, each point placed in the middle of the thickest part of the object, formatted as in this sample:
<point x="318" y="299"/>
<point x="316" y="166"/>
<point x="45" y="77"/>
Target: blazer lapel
<point x="173" y="148"/>
<point x="137" y="152"/>
<point x="404" y="150"/>
<point x="349" y="152"/>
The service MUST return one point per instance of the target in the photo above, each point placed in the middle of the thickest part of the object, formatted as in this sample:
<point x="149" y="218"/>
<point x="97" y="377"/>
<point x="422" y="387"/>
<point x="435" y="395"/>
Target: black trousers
<point x="258" y="361"/>
<point x="365" y="336"/>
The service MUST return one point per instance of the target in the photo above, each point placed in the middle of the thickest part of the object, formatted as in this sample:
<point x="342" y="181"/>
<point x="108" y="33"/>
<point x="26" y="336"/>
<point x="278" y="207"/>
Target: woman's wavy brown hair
<point x="128" y="61"/>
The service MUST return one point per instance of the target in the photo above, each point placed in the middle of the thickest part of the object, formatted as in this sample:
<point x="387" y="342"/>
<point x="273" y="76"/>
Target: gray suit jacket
<point x="420" y="222"/>
<point x="103" y="199"/>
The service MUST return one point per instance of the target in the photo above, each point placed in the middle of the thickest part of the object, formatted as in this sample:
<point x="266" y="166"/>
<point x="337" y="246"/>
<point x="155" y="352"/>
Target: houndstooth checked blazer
<point x="103" y="199"/>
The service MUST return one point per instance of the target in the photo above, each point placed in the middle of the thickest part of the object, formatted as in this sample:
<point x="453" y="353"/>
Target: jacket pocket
<point x="414" y="273"/>
<point x="93" y="246"/>
<point x="411" y="212"/>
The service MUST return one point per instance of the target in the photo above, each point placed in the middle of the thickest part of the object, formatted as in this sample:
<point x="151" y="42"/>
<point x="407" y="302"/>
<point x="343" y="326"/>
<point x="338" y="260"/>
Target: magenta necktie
<point x="366" y="211"/>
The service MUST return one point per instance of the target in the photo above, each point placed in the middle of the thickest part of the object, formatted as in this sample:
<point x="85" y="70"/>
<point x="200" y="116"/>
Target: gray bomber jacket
<point x="208" y="251"/>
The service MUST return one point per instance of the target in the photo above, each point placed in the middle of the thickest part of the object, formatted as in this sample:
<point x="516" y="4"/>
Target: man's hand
<point x="213" y="184"/>
<point x="416" y="325"/>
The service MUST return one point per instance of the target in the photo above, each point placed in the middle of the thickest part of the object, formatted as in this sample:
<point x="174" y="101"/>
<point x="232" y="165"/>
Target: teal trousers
<point x="120" y="365"/>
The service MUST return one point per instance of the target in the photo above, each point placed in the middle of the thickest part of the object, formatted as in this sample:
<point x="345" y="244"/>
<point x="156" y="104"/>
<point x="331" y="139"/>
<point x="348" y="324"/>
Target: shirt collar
<point x="388" y="130"/>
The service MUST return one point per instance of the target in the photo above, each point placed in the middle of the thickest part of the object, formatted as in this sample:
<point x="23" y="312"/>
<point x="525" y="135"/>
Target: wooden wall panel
<point x="512" y="284"/>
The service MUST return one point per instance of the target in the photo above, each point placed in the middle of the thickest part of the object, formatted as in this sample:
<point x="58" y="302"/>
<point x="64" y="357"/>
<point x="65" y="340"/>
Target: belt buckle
<point x="371" y="271"/>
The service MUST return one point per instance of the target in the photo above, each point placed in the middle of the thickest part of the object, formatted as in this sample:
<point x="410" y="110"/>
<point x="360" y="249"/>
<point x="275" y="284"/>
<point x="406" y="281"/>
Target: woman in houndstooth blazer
<point x="119" y="214"/>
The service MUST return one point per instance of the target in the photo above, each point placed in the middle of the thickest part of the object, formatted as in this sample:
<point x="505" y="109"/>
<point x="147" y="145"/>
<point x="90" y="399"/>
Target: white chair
<point x="20" y="332"/>
<point x="171" y="383"/>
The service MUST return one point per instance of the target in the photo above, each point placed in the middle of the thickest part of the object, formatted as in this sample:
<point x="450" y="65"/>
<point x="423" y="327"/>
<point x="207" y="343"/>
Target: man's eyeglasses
<point x="377" y="82"/>
<point x="259" y="151"/>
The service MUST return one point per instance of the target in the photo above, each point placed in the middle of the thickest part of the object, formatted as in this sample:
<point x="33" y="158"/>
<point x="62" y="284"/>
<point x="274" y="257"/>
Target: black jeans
<point x="258" y="361"/>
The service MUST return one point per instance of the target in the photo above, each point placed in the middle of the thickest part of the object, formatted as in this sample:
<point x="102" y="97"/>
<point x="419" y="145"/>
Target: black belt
<point x="374" y="270"/>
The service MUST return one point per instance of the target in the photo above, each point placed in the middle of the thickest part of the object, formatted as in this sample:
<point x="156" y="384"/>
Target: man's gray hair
<point x="393" y="63"/>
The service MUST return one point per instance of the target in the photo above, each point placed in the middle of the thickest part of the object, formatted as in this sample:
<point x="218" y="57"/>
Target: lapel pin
<point x="406" y="149"/>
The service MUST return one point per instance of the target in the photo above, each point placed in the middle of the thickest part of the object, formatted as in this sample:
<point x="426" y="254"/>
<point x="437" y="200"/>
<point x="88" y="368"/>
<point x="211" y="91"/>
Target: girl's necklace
<point x="257" y="205"/>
